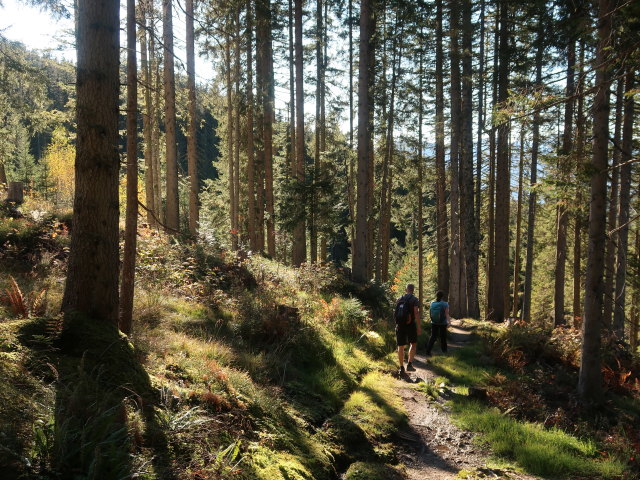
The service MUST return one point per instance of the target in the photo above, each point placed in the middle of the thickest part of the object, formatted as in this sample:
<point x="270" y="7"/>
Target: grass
<point x="550" y="453"/>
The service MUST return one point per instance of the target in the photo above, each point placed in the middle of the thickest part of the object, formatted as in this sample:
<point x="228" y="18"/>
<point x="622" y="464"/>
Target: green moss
<point x="372" y="471"/>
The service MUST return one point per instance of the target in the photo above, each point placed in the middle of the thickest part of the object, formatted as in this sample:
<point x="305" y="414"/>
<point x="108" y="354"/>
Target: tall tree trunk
<point x="579" y="218"/>
<point x="590" y="377"/>
<point x="323" y="124"/>
<point x="481" y="122"/>
<point x="360" y="258"/>
<point x="623" y="208"/>
<point x="457" y="296"/>
<point x="610" y="256"/>
<point x="236" y="125"/>
<point x="155" y="119"/>
<point x="564" y="160"/>
<point x="533" y="194"/>
<point x="468" y="217"/>
<point x="147" y="116"/>
<point x="491" y="224"/>
<point x="263" y="16"/>
<point x="91" y="287"/>
<point x="501" y="256"/>
<point x="420" y="179"/>
<point x="192" y="152"/>
<point x="442" y="229"/>
<point x="230" y="133"/>
<point x="172" y="216"/>
<point x="635" y="309"/>
<point x="131" y="219"/>
<point x="516" y="260"/>
<point x="299" y="238"/>
<point x="251" y="188"/>
<point x="313" y="217"/>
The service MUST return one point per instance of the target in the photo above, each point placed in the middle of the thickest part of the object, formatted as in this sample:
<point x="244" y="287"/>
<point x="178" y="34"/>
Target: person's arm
<point x="446" y="313"/>
<point x="416" y="315"/>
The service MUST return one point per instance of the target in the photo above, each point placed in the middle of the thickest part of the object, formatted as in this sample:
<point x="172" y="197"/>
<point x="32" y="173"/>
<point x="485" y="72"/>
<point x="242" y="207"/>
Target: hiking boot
<point x="410" y="367"/>
<point x="401" y="372"/>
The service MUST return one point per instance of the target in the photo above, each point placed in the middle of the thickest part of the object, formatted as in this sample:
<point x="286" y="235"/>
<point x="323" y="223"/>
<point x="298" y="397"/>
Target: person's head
<point x="439" y="295"/>
<point x="410" y="288"/>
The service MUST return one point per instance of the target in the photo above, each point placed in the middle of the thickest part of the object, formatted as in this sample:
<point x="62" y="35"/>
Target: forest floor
<point x="434" y="447"/>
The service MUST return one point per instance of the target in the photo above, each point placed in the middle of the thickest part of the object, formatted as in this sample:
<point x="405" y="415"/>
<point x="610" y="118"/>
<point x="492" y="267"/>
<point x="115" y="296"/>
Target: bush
<point x="345" y="316"/>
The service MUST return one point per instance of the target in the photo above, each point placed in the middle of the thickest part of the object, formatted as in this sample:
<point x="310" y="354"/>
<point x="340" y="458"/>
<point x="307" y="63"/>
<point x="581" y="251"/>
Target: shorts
<point x="406" y="334"/>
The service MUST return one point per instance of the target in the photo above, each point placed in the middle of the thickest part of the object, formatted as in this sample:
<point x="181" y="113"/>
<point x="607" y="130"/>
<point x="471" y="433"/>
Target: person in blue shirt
<point x="439" y="313"/>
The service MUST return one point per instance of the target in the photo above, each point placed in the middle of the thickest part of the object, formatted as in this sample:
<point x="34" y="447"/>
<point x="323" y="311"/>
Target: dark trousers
<point x="437" y="331"/>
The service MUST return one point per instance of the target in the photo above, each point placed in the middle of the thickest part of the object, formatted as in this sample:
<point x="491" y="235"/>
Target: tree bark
<point x="172" y="215"/>
<point x="251" y="199"/>
<point x="579" y="219"/>
<point x="516" y="260"/>
<point x="457" y="294"/>
<point x="91" y="287"/>
<point x="611" y="247"/>
<point x="192" y="152"/>
<point x="155" y="121"/>
<point x="590" y="377"/>
<point x="623" y="208"/>
<point x="236" y="125"/>
<point x="360" y="258"/>
<point x="533" y="194"/>
<point x="147" y="116"/>
<point x="230" y="133"/>
<point x="131" y="219"/>
<point x="468" y="217"/>
<point x="501" y="256"/>
<point x="562" y="211"/>
<point x="299" y="238"/>
<point x="481" y="120"/>
<point x="442" y="229"/>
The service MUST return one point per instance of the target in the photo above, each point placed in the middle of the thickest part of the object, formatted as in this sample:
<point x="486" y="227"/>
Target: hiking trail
<point x="433" y="447"/>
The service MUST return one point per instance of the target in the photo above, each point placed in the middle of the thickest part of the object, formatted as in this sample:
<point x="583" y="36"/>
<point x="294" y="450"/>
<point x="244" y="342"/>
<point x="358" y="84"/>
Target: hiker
<point x="439" y="313"/>
<point x="407" y="317"/>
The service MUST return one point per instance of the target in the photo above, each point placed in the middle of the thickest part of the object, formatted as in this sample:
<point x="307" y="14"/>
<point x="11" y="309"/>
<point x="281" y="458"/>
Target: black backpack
<point x="403" y="314"/>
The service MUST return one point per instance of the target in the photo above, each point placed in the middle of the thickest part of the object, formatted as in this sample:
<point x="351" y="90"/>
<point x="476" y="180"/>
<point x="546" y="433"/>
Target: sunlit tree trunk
<point x="236" y="124"/>
<point x="516" y="259"/>
<point x="192" y="153"/>
<point x="579" y="218"/>
<point x="147" y="115"/>
<point x="299" y="238"/>
<point x="155" y="119"/>
<point x="171" y="149"/>
<point x="590" y="377"/>
<point x="91" y="286"/>
<point x="442" y="229"/>
<point x="360" y="257"/>
<point x="481" y="120"/>
<point x="230" y="134"/>
<point x="251" y="199"/>
<point x="131" y="219"/>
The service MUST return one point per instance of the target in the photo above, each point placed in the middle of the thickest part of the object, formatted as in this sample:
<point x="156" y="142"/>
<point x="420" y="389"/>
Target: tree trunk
<point x="457" y="300"/>
<point x="251" y="188"/>
<point x="299" y="240"/>
<point x="230" y="167"/>
<point x="533" y="194"/>
<point x="236" y="126"/>
<point x="468" y="213"/>
<point x="155" y="121"/>
<point x="91" y="287"/>
<point x="610" y="256"/>
<point x="313" y="217"/>
<point x="501" y="256"/>
<point x="516" y="260"/>
<point x="172" y="216"/>
<point x="147" y="116"/>
<point x="442" y="229"/>
<point x="131" y="220"/>
<point x="420" y="179"/>
<point x="481" y="121"/>
<point x="590" y="377"/>
<point x="192" y="152"/>
<point x="623" y="208"/>
<point x="562" y="211"/>
<point x="579" y="219"/>
<point x="360" y="258"/>
<point x="635" y="310"/>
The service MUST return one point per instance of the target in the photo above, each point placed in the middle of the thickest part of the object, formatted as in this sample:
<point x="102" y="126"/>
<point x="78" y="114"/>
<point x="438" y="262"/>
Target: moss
<point x="372" y="471"/>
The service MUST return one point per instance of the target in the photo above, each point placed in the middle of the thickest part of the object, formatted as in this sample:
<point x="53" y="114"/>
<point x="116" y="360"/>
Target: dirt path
<point x="434" y="448"/>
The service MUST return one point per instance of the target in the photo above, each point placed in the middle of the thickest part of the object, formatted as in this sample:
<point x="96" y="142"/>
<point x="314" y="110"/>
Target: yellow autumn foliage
<point x="59" y="160"/>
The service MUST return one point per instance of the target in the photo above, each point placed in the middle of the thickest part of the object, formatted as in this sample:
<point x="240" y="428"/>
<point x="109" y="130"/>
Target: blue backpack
<point x="437" y="313"/>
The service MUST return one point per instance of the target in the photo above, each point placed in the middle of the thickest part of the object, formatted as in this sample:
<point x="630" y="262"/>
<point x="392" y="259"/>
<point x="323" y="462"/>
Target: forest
<point x="207" y="217"/>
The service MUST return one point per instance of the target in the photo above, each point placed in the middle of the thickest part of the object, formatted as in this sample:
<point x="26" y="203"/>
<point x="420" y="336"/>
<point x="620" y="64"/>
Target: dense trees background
<point x="492" y="145"/>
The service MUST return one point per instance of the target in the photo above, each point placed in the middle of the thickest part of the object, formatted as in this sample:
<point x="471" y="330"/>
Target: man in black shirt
<point x="407" y="331"/>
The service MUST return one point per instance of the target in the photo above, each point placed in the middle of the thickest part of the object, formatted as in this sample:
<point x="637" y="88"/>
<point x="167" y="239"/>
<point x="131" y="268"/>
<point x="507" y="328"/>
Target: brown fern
<point x="15" y="300"/>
